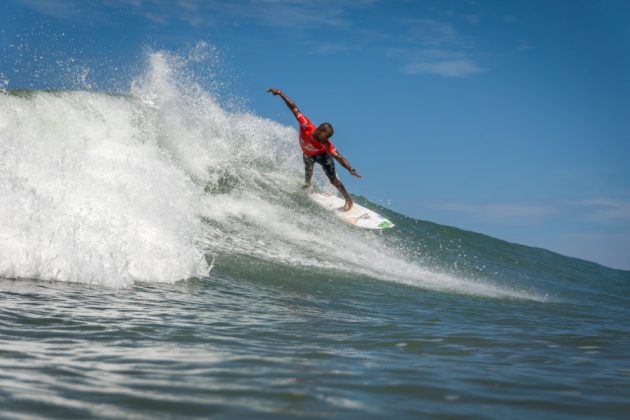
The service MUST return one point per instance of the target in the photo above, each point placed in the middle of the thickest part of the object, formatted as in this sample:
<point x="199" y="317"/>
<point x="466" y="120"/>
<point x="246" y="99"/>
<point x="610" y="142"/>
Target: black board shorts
<point x="325" y="160"/>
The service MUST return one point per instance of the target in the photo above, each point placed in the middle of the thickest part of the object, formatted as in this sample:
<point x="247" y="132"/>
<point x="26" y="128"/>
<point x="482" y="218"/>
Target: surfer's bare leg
<point x="308" y="171"/>
<point x="308" y="175"/>
<point x="343" y="192"/>
<point x="335" y="181"/>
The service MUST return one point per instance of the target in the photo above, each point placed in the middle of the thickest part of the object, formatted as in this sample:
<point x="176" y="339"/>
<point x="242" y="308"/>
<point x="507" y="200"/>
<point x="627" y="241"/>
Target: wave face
<point x="157" y="184"/>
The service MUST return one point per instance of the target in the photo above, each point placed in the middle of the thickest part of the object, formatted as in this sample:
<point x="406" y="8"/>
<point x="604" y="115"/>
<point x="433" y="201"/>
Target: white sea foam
<point x="112" y="189"/>
<point x="88" y="194"/>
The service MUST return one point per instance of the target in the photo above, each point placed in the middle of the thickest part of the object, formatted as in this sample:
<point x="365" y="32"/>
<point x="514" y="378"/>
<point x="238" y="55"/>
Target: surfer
<point x="317" y="148"/>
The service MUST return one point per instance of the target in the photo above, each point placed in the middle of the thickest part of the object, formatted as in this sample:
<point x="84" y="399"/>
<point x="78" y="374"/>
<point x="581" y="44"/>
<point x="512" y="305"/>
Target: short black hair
<point x="328" y="126"/>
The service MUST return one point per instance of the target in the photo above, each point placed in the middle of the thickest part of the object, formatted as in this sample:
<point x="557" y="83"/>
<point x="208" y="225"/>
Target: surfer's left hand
<point x="355" y="174"/>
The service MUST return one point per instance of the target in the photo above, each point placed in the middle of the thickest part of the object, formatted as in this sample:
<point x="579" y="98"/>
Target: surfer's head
<point x="324" y="132"/>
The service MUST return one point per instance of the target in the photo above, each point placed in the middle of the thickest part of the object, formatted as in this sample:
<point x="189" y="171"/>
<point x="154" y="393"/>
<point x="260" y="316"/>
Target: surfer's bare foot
<point x="347" y="206"/>
<point x="306" y="186"/>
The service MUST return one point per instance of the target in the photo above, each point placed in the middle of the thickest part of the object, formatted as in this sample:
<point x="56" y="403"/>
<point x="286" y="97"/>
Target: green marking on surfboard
<point x="385" y="224"/>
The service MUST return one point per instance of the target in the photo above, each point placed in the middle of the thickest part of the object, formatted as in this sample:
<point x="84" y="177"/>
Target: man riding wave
<point x="317" y="148"/>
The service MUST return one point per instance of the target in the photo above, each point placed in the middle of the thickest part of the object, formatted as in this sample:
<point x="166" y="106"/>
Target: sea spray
<point x="106" y="189"/>
<point x="4" y="82"/>
<point x="88" y="196"/>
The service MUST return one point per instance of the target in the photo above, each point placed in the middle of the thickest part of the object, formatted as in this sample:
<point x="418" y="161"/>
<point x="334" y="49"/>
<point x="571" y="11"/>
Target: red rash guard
<point x="310" y="146"/>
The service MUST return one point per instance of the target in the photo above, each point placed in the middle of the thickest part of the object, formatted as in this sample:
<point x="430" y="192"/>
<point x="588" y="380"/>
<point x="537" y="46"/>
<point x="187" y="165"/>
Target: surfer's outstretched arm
<point x="286" y="100"/>
<point x="344" y="162"/>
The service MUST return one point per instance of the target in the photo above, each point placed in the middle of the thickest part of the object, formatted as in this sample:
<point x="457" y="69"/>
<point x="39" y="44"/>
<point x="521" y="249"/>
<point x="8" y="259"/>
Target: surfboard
<point x="358" y="215"/>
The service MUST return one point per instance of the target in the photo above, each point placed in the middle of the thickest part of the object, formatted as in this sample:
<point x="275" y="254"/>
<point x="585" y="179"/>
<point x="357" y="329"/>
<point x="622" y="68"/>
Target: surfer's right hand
<point x="355" y="174"/>
<point x="274" y="91"/>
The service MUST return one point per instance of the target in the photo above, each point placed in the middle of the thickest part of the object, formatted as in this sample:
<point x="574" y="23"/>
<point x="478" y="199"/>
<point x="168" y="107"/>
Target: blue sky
<point x="508" y="118"/>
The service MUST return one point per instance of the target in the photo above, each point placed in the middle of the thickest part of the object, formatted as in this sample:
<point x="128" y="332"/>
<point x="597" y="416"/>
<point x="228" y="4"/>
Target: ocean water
<point x="158" y="260"/>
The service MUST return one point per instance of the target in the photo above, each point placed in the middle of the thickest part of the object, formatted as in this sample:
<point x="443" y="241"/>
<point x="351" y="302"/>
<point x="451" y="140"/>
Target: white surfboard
<point x="357" y="215"/>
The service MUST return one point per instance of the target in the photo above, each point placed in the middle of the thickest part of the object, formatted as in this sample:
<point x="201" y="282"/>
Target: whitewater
<point x="158" y="259"/>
